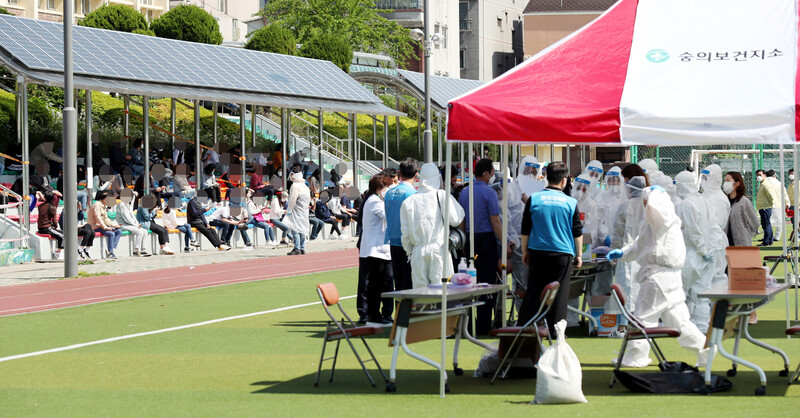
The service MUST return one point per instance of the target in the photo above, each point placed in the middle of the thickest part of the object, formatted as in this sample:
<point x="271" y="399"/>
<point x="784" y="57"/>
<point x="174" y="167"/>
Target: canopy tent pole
<point x="321" y="135"/>
<point x="446" y="251"/>
<point x="504" y="240"/>
<point x="88" y="160"/>
<point x="569" y="158"/>
<point x="439" y="138"/>
<point x="471" y="212"/>
<point x="463" y="166"/>
<point x="146" y="135"/>
<point x="70" y="152"/>
<point x="243" y="137"/>
<point x="782" y="219"/>
<point x="173" y="122"/>
<point x="198" y="170"/>
<point x="796" y="240"/>
<point x="552" y="153"/>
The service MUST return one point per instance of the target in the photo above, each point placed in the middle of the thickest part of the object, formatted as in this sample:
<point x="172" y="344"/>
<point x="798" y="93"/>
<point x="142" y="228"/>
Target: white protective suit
<point x="627" y="225"/>
<point x="719" y="210"/>
<point x="699" y="266"/>
<point x="666" y="182"/>
<point x="595" y="172"/>
<point x="299" y="201"/>
<point x="422" y="226"/>
<point x="582" y="192"/>
<point x="525" y="183"/>
<point x="608" y="202"/>
<point x="660" y="251"/>
<point x="650" y="168"/>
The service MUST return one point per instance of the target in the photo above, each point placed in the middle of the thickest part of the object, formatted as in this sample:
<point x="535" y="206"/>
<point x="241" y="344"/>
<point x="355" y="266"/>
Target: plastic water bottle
<point x="472" y="272"/>
<point x="462" y="266"/>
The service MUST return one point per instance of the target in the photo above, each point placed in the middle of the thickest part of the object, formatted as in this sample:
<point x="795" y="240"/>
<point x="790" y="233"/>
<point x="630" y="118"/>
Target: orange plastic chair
<point x="343" y="330"/>
<point x="637" y="331"/>
<point x="531" y="329"/>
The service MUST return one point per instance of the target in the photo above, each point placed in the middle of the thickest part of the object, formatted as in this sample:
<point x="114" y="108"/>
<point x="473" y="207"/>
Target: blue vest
<point x="551" y="213"/>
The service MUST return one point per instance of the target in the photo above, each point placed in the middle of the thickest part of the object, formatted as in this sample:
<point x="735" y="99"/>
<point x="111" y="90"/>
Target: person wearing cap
<point x="393" y="201"/>
<point x="552" y="240"/>
<point x="659" y="248"/>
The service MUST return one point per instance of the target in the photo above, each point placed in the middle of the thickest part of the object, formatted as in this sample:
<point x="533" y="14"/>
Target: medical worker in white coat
<point x="422" y="223"/>
<point x="650" y="168"/>
<point x="661" y="253"/>
<point x="626" y="228"/>
<point x="719" y="209"/>
<point x="699" y="265"/>
<point x="594" y="170"/>
<point x="582" y="192"/>
<point x="608" y="203"/>
<point x="297" y="213"/>
<point x="525" y="183"/>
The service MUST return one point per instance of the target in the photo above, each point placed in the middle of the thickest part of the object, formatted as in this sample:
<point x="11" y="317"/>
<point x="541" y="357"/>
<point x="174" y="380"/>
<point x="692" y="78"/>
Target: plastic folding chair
<point x="531" y="329"/>
<point x="795" y="330"/>
<point x="637" y="331"/>
<point x="338" y="330"/>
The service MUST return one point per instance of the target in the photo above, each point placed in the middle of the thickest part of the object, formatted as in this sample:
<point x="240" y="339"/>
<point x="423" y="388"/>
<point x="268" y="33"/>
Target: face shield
<point x="635" y="186"/>
<point x="613" y="182"/>
<point x="531" y="169"/>
<point x="581" y="186"/>
<point x="595" y="171"/>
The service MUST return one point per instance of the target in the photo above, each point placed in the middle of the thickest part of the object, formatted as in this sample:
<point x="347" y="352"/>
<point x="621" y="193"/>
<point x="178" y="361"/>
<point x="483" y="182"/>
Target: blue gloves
<point x="657" y="187"/>
<point x="607" y="241"/>
<point x="614" y="254"/>
<point x="709" y="258"/>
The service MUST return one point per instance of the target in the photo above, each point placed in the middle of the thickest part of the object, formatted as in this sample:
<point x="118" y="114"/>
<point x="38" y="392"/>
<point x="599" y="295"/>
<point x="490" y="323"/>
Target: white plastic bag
<point x="559" y="377"/>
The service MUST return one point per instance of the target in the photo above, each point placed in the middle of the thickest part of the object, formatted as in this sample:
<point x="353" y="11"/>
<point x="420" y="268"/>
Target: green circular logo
<point x="657" y="55"/>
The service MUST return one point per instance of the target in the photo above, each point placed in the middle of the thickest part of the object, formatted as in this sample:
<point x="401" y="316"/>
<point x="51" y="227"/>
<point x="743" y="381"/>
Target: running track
<point x="43" y="296"/>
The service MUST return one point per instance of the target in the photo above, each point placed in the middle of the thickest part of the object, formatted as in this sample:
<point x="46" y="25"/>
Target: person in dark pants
<point x="551" y="237"/>
<point x="488" y="230"/>
<point x="393" y="201"/>
<point x="375" y="253"/>
<point x="195" y="215"/>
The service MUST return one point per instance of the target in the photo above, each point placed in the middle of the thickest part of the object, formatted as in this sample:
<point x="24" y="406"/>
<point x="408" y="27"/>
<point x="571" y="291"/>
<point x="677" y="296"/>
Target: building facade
<point x="235" y="17"/>
<point x="53" y="10"/>
<point x="548" y="21"/>
<point x="491" y="35"/>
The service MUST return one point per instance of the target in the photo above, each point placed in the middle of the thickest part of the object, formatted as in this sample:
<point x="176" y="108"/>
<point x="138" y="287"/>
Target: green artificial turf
<point x="264" y="365"/>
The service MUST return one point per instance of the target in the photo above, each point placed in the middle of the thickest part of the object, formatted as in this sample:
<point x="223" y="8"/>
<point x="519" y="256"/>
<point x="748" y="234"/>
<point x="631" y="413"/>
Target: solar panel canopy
<point x="165" y="68"/>
<point x="443" y="89"/>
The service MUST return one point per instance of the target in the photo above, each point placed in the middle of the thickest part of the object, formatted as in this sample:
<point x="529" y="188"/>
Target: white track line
<point x="158" y="331"/>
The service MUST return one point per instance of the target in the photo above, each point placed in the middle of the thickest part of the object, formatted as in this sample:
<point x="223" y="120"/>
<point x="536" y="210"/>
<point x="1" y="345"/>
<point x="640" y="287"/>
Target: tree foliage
<point x="273" y="38"/>
<point x="329" y="47"/>
<point x="147" y="32"/>
<point x="115" y="17"/>
<point x="188" y="23"/>
<point x="356" y="21"/>
<point x="5" y="12"/>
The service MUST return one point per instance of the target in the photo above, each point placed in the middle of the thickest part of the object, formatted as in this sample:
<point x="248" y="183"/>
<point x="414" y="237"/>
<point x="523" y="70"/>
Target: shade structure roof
<point x="443" y="89"/>
<point x="137" y="64"/>
<point x="650" y="72"/>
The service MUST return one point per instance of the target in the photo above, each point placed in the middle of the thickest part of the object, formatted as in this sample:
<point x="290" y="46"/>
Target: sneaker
<point x="58" y="255"/>
<point x="167" y="251"/>
<point x="81" y="255"/>
<point x="86" y="253"/>
<point x="302" y="251"/>
<point x="343" y="237"/>
<point x="283" y="242"/>
<point x="145" y="254"/>
<point x="136" y="253"/>
<point x="223" y="247"/>
<point x="248" y="248"/>
<point x="194" y="243"/>
<point x="186" y="249"/>
<point x="332" y="237"/>
<point x="112" y="256"/>
<point x="791" y="280"/>
<point x="294" y="251"/>
<point x="378" y="320"/>
<point x="617" y="334"/>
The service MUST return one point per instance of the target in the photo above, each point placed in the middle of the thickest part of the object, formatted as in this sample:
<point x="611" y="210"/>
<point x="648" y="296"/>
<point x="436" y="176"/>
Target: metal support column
<point x="321" y="134"/>
<point x="146" y="134"/>
<point x="126" y="119"/>
<point x="356" y="151"/>
<point x="284" y="143"/>
<point x="26" y="151"/>
<point x="198" y="168"/>
<point x="172" y="120"/>
<point x="89" y="157"/>
<point x="215" y="123"/>
<point x="243" y="134"/>
<point x="385" y="141"/>
<point x="397" y="124"/>
<point x="70" y="152"/>
<point x="504" y="238"/>
<point x="253" y="124"/>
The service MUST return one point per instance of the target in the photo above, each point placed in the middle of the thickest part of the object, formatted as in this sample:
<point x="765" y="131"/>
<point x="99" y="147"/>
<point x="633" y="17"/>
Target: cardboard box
<point x="605" y="322"/>
<point x="744" y="269"/>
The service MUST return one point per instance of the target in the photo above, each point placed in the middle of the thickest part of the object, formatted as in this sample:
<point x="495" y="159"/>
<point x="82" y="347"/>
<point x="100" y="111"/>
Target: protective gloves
<point x="614" y="254"/>
<point x="607" y="241"/>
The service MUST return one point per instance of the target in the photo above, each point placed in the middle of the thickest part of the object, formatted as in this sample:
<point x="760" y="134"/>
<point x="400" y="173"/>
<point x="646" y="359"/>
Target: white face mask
<point x="791" y="176"/>
<point x="727" y="187"/>
<point x="760" y="178"/>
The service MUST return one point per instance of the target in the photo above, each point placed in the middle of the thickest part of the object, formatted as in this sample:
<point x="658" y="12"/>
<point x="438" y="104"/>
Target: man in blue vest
<point x="393" y="200"/>
<point x="551" y="239"/>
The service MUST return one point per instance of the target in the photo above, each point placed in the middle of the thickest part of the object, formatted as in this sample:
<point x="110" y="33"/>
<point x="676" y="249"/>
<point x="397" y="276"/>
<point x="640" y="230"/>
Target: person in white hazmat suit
<point x="608" y="203"/>
<point x="422" y="223"/>
<point x="525" y="184"/>
<point x="719" y="209"/>
<point x="660" y="251"/>
<point x="666" y="182"/>
<point x="595" y="172"/>
<point x="650" y="168"/>
<point x="699" y="265"/>
<point x="582" y="192"/>
<point x="626" y="228"/>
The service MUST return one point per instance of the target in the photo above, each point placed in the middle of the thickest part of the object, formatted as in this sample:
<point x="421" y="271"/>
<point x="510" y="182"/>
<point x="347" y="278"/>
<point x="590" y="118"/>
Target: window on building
<point x="86" y="7"/>
<point x="437" y="28"/>
<point x="12" y="2"/>
<point x="50" y="4"/>
<point x="462" y="59"/>
<point x="221" y="6"/>
<point x="444" y="36"/>
<point x="235" y="26"/>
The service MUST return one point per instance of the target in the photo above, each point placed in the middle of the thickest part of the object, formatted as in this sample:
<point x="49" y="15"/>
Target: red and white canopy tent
<point x="649" y="72"/>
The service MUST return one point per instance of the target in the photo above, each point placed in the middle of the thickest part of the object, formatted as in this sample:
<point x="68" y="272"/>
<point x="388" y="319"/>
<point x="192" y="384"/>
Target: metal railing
<point x="465" y="25"/>
<point x="22" y="211"/>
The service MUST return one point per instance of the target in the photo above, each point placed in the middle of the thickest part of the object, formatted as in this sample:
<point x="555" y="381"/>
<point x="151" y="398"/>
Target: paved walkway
<point x="36" y="272"/>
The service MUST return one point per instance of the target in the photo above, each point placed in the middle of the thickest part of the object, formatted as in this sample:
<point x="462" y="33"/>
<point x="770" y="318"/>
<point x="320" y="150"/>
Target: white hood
<point x="429" y="178"/>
